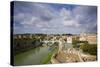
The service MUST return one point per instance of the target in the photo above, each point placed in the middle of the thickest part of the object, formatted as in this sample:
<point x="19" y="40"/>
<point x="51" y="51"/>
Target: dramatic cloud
<point x="87" y="17"/>
<point x="54" y="18"/>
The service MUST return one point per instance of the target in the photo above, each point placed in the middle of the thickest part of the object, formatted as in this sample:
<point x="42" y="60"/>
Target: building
<point x="90" y="37"/>
<point x="69" y="39"/>
<point x="82" y="37"/>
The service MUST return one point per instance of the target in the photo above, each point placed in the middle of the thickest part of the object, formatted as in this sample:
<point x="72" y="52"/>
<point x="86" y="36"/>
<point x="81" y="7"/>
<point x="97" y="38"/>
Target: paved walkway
<point x="54" y="61"/>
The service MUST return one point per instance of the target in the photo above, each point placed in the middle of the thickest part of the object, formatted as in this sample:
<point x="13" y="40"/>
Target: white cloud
<point x="86" y="16"/>
<point x="46" y="18"/>
<point x="67" y="18"/>
<point x="71" y="23"/>
<point x="65" y="14"/>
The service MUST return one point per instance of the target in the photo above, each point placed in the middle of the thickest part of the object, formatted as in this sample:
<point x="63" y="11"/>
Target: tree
<point x="89" y="48"/>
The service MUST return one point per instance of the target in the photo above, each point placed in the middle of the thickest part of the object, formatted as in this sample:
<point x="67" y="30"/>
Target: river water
<point x="33" y="56"/>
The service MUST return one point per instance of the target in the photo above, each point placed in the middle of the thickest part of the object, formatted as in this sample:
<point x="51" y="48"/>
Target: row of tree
<point x="89" y="48"/>
<point x="85" y="46"/>
<point x="20" y="45"/>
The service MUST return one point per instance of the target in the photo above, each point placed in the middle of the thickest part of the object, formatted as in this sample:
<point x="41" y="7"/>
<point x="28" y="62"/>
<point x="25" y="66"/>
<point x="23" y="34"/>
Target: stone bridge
<point x="60" y="45"/>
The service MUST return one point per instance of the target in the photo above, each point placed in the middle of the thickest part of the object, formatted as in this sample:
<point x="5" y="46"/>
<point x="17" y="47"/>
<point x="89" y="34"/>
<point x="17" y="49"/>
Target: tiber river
<point x="33" y="56"/>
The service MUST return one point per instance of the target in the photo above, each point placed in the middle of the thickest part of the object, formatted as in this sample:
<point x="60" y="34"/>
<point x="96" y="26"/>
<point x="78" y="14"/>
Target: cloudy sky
<point x="32" y="17"/>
